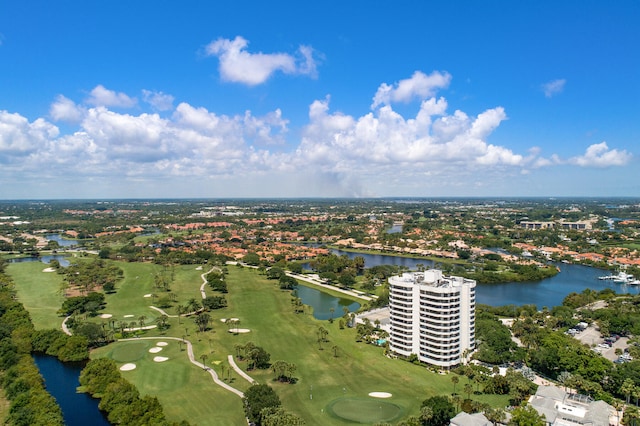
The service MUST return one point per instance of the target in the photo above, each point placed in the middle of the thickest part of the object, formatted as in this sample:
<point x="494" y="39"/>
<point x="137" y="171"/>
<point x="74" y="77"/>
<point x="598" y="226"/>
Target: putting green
<point x="364" y="410"/>
<point x="130" y="351"/>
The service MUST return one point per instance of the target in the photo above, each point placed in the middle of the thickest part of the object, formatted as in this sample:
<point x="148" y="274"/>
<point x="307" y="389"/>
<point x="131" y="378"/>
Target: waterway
<point x="64" y="261"/>
<point x="322" y="303"/>
<point x="61" y="380"/>
<point x="62" y="242"/>
<point x="549" y="292"/>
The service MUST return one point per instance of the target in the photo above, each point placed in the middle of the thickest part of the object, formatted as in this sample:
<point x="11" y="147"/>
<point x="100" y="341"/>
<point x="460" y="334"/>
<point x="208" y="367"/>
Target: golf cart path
<point x="193" y="360"/>
<point x="238" y="370"/>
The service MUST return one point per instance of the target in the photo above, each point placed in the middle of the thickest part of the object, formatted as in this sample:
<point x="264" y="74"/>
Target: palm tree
<point x="193" y="305"/>
<point x="202" y="320"/>
<point x="335" y="351"/>
<point x="222" y="367"/>
<point x="455" y="380"/>
<point x="279" y="368"/>
<point x="495" y="415"/>
<point x="180" y="309"/>
<point x="426" y="414"/>
<point x="203" y="357"/>
<point x="161" y="321"/>
<point x="627" y="388"/>
<point x="468" y="389"/>
<point x="141" y="320"/>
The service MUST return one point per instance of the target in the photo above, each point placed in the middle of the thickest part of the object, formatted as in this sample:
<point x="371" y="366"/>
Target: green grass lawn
<point x="38" y="291"/>
<point x="187" y="392"/>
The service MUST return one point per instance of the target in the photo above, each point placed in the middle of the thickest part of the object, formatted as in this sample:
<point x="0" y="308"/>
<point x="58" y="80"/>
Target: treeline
<point x="30" y="403"/>
<point x="119" y="398"/>
<point x="514" y="272"/>
<point x="547" y="349"/>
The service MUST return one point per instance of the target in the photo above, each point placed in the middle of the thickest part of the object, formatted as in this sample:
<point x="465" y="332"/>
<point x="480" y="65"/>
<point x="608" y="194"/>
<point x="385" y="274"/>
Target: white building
<point x="432" y="316"/>
<point x="560" y="408"/>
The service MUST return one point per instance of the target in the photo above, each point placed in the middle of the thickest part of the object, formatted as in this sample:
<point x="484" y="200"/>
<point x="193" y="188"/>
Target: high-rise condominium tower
<point x="432" y="316"/>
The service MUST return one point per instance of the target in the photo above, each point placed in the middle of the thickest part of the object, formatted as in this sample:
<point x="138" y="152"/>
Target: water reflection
<point x="323" y="302"/>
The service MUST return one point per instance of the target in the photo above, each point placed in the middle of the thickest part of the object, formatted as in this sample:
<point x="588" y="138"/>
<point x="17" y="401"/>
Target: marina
<point x="621" y="277"/>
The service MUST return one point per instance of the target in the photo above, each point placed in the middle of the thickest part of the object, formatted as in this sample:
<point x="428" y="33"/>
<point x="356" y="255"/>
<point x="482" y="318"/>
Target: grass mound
<point x="130" y="351"/>
<point x="364" y="410"/>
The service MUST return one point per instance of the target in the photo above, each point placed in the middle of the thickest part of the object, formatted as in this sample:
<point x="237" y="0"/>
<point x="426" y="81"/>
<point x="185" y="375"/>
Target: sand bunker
<point x="199" y="268"/>
<point x="129" y="316"/>
<point x="106" y="316"/>
<point x="161" y="344"/>
<point x="155" y="350"/>
<point x="147" y="295"/>
<point x="160" y="358"/>
<point x="239" y="330"/>
<point x="128" y="367"/>
<point x="380" y="394"/>
<point x="49" y="270"/>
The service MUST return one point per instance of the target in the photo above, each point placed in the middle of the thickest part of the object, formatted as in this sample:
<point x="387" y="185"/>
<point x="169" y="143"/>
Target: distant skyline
<point x="332" y="99"/>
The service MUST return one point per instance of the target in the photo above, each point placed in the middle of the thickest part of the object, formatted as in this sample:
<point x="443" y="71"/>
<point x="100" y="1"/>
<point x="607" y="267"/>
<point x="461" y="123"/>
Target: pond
<point x="61" y="380"/>
<point x="64" y="260"/>
<point x="322" y="303"/>
<point x="62" y="242"/>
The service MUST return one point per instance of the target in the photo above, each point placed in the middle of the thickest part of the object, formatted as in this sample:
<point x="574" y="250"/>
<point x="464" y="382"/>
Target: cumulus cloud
<point x="554" y="87"/>
<point x="419" y="86"/>
<point x="379" y="152"/>
<point x="64" y="109"/>
<point x="158" y="100"/>
<point x="599" y="155"/>
<point x="101" y="96"/>
<point x="240" y="66"/>
<point x="19" y="137"/>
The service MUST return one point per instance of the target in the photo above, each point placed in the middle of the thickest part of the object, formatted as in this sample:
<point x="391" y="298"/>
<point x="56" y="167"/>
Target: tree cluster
<point x="30" y="403"/>
<point x="119" y="398"/>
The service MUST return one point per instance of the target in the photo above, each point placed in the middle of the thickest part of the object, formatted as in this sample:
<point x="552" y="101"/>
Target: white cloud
<point x="101" y="96"/>
<point x="379" y="152"/>
<point x="64" y="109"/>
<point x="158" y="100"/>
<point x="240" y="66"/>
<point x="554" y="87"/>
<point x="599" y="155"/>
<point x="419" y="86"/>
<point x="18" y="137"/>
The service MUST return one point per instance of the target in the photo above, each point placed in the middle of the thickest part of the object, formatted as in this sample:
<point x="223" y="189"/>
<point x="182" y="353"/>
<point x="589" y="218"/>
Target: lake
<point x="62" y="242"/>
<point x="61" y="380"/>
<point x="549" y="292"/>
<point x="64" y="261"/>
<point x="323" y="302"/>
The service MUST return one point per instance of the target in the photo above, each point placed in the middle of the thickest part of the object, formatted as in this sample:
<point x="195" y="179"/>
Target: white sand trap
<point x="223" y="319"/>
<point x="147" y="295"/>
<point x="106" y="316"/>
<point x="155" y="350"/>
<point x="380" y="394"/>
<point x="128" y="367"/>
<point x="199" y="268"/>
<point x="161" y="344"/>
<point x="49" y="270"/>
<point x="239" y="330"/>
<point x="129" y="316"/>
<point x="160" y="358"/>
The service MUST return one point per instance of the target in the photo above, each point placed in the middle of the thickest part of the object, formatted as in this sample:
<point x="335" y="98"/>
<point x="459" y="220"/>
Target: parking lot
<point x="591" y="336"/>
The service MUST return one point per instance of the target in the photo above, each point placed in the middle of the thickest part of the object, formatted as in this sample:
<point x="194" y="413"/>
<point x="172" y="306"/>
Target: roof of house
<point x="465" y="419"/>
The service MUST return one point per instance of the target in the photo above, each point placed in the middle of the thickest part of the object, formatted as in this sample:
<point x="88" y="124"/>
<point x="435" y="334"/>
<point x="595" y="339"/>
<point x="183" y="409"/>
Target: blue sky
<point x="319" y="99"/>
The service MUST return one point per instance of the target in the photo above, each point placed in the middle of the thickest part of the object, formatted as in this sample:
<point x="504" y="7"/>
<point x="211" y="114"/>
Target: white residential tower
<point x="432" y="316"/>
